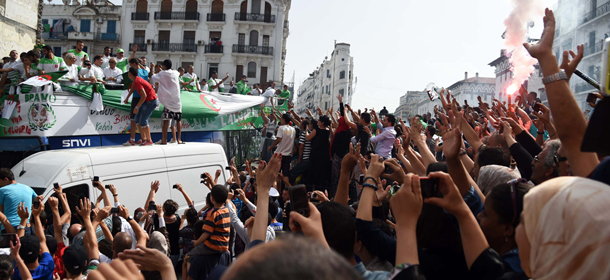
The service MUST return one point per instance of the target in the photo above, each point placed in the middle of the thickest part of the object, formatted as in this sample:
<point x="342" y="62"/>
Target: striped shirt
<point x="218" y="224"/>
<point x="307" y="147"/>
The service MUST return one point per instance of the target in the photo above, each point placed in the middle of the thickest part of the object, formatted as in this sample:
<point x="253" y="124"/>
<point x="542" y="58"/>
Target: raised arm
<point x="138" y="230"/>
<point x="24" y="214"/>
<point x="154" y="187"/>
<point x="38" y="229"/>
<point x="189" y="202"/>
<point x="265" y="181"/>
<point x="347" y="165"/>
<point x="365" y="205"/>
<point x="57" y="222"/>
<point x="23" y="269"/>
<point x="7" y="225"/>
<point x="571" y="123"/>
<point x="100" y="187"/>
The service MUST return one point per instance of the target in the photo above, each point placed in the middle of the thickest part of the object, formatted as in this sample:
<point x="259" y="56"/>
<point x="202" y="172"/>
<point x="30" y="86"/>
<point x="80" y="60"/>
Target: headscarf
<point x="158" y="241"/>
<point x="493" y="175"/>
<point x="568" y="227"/>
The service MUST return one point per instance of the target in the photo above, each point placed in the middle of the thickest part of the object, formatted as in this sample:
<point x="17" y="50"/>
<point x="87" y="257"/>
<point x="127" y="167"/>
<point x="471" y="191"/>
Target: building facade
<point x="231" y="36"/>
<point x="504" y="78"/>
<point x="582" y="22"/>
<point x="18" y="25"/>
<point x="407" y="107"/>
<point x="97" y="24"/>
<point x="333" y="77"/>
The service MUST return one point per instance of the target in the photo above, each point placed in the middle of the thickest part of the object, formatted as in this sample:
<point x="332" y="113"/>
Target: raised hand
<point x="451" y="201"/>
<point x="265" y="178"/>
<point x="452" y="138"/>
<point x="398" y="175"/>
<point x="310" y="226"/>
<point x="544" y="115"/>
<point x="407" y="202"/>
<point x="351" y="159"/>
<point x="22" y="211"/>
<point x="123" y="211"/>
<point x="85" y="208"/>
<point x="544" y="47"/>
<point x="154" y="186"/>
<point x="376" y="167"/>
<point x="53" y="203"/>
<point x="117" y="270"/>
<point x="112" y="189"/>
<point x="134" y="48"/>
<point x="570" y="65"/>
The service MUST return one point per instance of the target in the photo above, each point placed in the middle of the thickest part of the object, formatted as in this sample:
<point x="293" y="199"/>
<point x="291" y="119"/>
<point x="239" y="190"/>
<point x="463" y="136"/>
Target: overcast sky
<point x="397" y="45"/>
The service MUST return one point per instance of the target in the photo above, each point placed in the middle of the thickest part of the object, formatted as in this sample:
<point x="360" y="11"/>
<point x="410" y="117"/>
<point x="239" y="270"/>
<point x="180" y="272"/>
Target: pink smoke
<point x="516" y="34"/>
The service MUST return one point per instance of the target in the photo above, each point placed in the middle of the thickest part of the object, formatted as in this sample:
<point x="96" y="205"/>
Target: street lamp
<point x="383" y="113"/>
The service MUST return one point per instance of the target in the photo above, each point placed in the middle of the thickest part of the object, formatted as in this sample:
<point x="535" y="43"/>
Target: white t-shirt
<point x="256" y="92"/>
<point x="105" y="61"/>
<point x="205" y="88"/>
<point x="96" y="72"/>
<point x="285" y="146"/>
<point x="114" y="73"/>
<point x="213" y="82"/>
<point x="169" y="89"/>
<point x="193" y="77"/>
<point x="270" y="92"/>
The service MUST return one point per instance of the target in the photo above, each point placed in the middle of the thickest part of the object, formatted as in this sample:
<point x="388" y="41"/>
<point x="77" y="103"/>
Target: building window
<point x="342" y="92"/>
<point x="342" y="75"/>
<point x="212" y="67"/>
<point x="253" y="38"/>
<point x="252" y="69"/>
<point x="57" y="51"/>
<point x="241" y="39"/>
<point x="266" y="40"/>
<point x="139" y="37"/>
<point x="45" y="21"/>
<point x="327" y="73"/>
<point x="85" y="25"/>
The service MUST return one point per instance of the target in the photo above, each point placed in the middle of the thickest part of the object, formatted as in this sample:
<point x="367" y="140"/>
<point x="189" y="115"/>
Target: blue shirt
<point x="142" y="73"/>
<point x="512" y="259"/>
<point x="371" y="275"/>
<point x="238" y="204"/>
<point x="10" y="197"/>
<point x="44" y="271"/>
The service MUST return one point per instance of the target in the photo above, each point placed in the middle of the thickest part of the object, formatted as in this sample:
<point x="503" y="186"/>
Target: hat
<point x="120" y="50"/>
<point x="30" y="247"/>
<point x="273" y="192"/>
<point x="75" y="259"/>
<point x="51" y="244"/>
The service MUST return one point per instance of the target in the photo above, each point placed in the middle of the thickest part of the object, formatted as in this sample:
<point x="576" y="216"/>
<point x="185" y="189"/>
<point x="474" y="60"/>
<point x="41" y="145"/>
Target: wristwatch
<point x="129" y="219"/>
<point x="555" y="77"/>
<point x="20" y="227"/>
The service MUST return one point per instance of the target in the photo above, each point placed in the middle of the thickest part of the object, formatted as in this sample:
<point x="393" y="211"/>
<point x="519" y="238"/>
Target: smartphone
<point x="114" y="210"/>
<point x="107" y="187"/>
<point x="234" y="187"/>
<point x="361" y="180"/>
<point x="96" y="178"/>
<point x="152" y="206"/>
<point x="591" y="98"/>
<point x="175" y="186"/>
<point x="298" y="199"/>
<point x="202" y="176"/>
<point x="6" y="239"/>
<point x="429" y="187"/>
<point x="228" y="168"/>
<point x="35" y="203"/>
<point x="536" y="107"/>
<point x="605" y="75"/>
<point x="56" y="185"/>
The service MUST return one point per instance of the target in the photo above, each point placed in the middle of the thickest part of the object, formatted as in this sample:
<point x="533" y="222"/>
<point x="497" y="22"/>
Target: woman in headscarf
<point x="493" y="175"/>
<point x="563" y="233"/>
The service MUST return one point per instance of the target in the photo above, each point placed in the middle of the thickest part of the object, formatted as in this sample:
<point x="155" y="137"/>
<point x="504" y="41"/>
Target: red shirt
<point x="143" y="84"/>
<point x="59" y="262"/>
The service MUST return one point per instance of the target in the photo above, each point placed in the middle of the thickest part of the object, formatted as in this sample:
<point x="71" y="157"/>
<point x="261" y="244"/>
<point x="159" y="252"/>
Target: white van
<point x="130" y="169"/>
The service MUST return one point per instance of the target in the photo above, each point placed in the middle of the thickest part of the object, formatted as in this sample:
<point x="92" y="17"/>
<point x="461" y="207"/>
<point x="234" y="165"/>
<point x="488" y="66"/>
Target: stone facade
<point x="18" y="25"/>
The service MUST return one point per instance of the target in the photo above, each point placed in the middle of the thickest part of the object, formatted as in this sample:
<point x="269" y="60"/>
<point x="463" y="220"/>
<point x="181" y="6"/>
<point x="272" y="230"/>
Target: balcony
<point x="73" y="35"/>
<point x="108" y="37"/>
<point x="173" y="47"/>
<point x="255" y="17"/>
<point x="177" y="16"/>
<point x="139" y="16"/>
<point x="142" y="47"/>
<point x="597" y="12"/>
<point x="213" y="49"/>
<point x="216" y="17"/>
<point x="593" y="49"/>
<point x="262" y="50"/>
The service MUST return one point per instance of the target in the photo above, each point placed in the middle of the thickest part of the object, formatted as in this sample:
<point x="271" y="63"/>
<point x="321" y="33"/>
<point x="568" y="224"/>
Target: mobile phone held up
<point x="6" y="239"/>
<point x="96" y="178"/>
<point x="152" y="206"/>
<point x="298" y="199"/>
<point x="56" y="185"/>
<point x="35" y="203"/>
<point x="591" y="98"/>
<point x="361" y="179"/>
<point x="175" y="186"/>
<point x="536" y="107"/>
<point x="429" y="187"/>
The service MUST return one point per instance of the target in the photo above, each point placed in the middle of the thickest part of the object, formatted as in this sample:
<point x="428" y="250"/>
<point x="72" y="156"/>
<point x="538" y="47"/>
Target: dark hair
<point x="339" y="228"/>
<point x="273" y="210"/>
<point x="325" y="120"/>
<point x="398" y="130"/>
<point x="286" y="118"/>
<point x="33" y="54"/>
<point x="105" y="48"/>
<point x="208" y="200"/>
<point x="7" y="173"/>
<point x="291" y="257"/>
<point x="534" y="94"/>
<point x="214" y="72"/>
<point x="180" y="68"/>
<point x="366" y="117"/>
<point x="198" y="229"/>
<point x="502" y="202"/>
<point x="219" y="193"/>
<point x="134" y="60"/>
<point x="492" y="155"/>
<point x="191" y="216"/>
<point x="431" y="130"/>
<point x="79" y="41"/>
<point x="170" y="207"/>
<point x="305" y="123"/>
<point x="133" y="71"/>
<point x="6" y="267"/>
<point x="99" y="56"/>
<point x="436" y="166"/>
<point x="51" y="243"/>
<point x="47" y="48"/>
<point x="167" y="63"/>
<point x="391" y="119"/>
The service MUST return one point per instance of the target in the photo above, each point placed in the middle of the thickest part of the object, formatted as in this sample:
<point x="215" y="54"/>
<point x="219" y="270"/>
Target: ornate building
<point x="239" y="37"/>
<point x="97" y="24"/>
<point x="333" y="77"/>
<point x="504" y="78"/>
<point x="18" y="25"/>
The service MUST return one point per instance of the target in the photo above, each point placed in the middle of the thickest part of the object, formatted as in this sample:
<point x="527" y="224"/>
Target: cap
<point x="30" y="247"/>
<point x="51" y="244"/>
<point x="75" y="259"/>
<point x="120" y="50"/>
<point x="273" y="192"/>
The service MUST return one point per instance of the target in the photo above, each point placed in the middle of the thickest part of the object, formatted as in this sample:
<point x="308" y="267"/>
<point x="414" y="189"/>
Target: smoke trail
<point x="516" y="34"/>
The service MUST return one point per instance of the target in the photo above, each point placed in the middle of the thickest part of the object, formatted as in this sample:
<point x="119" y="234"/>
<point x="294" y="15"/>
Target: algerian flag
<point x="194" y="105"/>
<point x="44" y="79"/>
<point x="126" y="81"/>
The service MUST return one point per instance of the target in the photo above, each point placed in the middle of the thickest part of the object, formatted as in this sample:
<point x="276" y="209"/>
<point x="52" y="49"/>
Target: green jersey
<point x="284" y="94"/>
<point x="79" y="57"/>
<point x="52" y="65"/>
<point x="242" y="88"/>
<point x="122" y="64"/>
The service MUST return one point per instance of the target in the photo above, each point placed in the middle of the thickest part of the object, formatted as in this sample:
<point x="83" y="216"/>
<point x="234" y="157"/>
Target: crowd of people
<point x="496" y="191"/>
